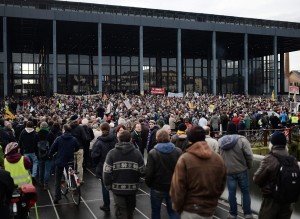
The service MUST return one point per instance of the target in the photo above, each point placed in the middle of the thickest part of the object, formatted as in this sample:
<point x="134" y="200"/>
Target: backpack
<point x="287" y="186"/>
<point x="43" y="149"/>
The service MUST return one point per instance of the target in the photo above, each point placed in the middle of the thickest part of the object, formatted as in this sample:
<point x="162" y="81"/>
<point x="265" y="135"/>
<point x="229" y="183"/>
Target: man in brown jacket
<point x="199" y="178"/>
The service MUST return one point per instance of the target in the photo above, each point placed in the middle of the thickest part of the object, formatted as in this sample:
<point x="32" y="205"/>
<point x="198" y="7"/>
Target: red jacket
<point x="236" y="120"/>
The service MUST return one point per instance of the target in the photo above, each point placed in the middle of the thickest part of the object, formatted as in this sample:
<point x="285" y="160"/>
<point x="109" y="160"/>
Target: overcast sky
<point x="283" y="10"/>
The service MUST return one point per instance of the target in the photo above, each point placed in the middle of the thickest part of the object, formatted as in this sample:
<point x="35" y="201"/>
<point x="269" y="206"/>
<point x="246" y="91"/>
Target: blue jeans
<point x="105" y="194"/>
<point x="156" y="201"/>
<point x="44" y="170"/>
<point x="240" y="179"/>
<point x="34" y="161"/>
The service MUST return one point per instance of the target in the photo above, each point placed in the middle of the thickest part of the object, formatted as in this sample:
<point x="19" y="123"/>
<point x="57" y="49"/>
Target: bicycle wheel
<point x="75" y="191"/>
<point x="64" y="184"/>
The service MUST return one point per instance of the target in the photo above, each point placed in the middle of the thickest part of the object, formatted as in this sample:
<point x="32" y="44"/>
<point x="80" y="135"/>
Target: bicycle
<point x="71" y="183"/>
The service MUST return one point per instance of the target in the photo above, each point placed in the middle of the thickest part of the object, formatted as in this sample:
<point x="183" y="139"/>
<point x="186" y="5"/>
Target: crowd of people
<point x="114" y="133"/>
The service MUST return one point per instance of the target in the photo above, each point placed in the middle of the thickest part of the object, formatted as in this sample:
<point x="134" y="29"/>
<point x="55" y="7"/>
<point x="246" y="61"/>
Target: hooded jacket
<point x="198" y="180"/>
<point x="123" y="167"/>
<point x="236" y="152"/>
<point x="100" y="149"/>
<point x="161" y="163"/>
<point x="65" y="146"/>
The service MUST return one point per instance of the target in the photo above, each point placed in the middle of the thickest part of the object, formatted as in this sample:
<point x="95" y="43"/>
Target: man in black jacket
<point x="123" y="167"/>
<point x="161" y="163"/>
<point x="28" y="146"/>
<point x="65" y="146"/>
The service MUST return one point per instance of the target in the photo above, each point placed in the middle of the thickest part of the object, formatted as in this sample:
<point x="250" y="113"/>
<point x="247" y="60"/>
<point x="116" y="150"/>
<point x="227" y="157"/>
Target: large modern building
<point x="80" y="48"/>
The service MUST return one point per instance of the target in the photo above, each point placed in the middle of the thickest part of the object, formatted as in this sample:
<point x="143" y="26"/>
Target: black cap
<point x="278" y="139"/>
<point x="181" y="127"/>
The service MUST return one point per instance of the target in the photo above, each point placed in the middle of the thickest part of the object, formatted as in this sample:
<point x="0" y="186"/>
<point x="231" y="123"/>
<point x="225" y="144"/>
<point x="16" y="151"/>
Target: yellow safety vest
<point x="294" y="119"/>
<point x="18" y="172"/>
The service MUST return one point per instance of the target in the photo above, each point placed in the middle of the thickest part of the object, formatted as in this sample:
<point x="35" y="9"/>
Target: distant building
<point x="81" y="48"/>
<point x="294" y="77"/>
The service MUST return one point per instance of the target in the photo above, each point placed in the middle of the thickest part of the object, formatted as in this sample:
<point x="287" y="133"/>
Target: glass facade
<point x="30" y="60"/>
<point x="195" y="76"/>
<point x="30" y="74"/>
<point x="76" y="74"/>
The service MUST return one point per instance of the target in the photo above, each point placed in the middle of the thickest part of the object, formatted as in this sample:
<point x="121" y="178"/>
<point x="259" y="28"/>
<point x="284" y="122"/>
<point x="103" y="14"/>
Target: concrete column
<point x="5" y="92"/>
<point x="281" y="90"/>
<point x="246" y="69"/>
<point x="100" y="72"/>
<point x="214" y="66"/>
<point x="141" y="60"/>
<point x="179" y="71"/>
<point x="275" y="66"/>
<point x="54" y="57"/>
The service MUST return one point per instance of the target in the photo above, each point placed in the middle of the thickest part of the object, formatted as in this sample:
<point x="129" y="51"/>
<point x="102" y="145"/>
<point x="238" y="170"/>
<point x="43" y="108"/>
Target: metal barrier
<point x="256" y="197"/>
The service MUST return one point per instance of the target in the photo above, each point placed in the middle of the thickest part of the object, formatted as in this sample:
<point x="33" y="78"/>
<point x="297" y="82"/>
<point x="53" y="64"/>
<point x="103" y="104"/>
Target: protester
<point x="5" y="136"/>
<point x="64" y="146"/>
<point x="28" y="146"/>
<point x="152" y="138"/>
<point x="161" y="162"/>
<point x="86" y="144"/>
<point x="180" y="138"/>
<point x="202" y="121"/>
<point x="123" y="167"/>
<point x="43" y="140"/>
<point x="237" y="154"/>
<point x="102" y="146"/>
<point x="266" y="177"/>
<point x="199" y="178"/>
<point x="172" y="122"/>
<point x="136" y="136"/>
<point x="212" y="143"/>
<point x="82" y="137"/>
<point x="144" y="135"/>
<point x="17" y="165"/>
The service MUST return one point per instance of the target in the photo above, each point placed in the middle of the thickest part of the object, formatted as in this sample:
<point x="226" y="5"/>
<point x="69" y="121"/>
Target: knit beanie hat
<point x="278" y="139"/>
<point x="181" y="127"/>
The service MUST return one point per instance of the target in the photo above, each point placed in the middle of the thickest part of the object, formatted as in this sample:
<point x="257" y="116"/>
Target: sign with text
<point x="293" y="89"/>
<point x="158" y="90"/>
<point x="170" y="94"/>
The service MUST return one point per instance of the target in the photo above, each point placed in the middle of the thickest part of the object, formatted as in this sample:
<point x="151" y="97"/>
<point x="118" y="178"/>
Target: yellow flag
<point x="273" y="95"/>
<point x="8" y="114"/>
